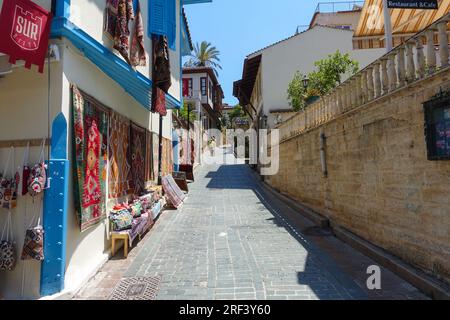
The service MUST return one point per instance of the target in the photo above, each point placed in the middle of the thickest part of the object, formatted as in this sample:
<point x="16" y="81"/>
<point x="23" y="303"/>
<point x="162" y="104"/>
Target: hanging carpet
<point x="90" y="144"/>
<point x="120" y="178"/>
<point x="138" y="152"/>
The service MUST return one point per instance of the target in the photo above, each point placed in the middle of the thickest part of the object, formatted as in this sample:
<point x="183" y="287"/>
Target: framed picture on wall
<point x="437" y="127"/>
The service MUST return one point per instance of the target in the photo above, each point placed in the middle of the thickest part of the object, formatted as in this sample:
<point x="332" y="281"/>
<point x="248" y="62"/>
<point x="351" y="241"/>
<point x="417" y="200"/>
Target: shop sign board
<point x="413" y="4"/>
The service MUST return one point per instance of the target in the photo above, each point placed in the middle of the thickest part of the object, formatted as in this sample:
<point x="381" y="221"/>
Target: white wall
<point x="24" y="115"/>
<point x="280" y="62"/>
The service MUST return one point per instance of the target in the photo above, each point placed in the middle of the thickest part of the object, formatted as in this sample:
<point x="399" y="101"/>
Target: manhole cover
<point x="136" y="288"/>
<point x="317" y="232"/>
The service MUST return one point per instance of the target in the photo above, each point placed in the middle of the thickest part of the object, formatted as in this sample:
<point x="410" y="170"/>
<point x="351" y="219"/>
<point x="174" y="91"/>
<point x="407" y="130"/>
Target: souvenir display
<point x="9" y="183"/>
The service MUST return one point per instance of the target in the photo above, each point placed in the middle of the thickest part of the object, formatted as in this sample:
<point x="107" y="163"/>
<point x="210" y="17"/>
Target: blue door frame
<point x="55" y="211"/>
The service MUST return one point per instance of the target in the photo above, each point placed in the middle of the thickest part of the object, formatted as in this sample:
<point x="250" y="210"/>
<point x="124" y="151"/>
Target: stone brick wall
<point x="380" y="184"/>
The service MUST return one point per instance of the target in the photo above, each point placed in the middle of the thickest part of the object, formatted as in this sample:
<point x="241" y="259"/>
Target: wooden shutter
<point x="158" y="17"/>
<point x="171" y="23"/>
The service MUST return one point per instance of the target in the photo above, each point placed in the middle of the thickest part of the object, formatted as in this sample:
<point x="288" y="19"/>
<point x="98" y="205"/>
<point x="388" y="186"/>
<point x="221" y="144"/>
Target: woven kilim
<point x="120" y="178"/>
<point x="138" y="153"/>
<point x="136" y="288"/>
<point x="90" y="129"/>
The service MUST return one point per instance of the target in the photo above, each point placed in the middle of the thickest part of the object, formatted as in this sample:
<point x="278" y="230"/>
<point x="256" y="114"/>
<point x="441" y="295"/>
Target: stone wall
<point x="380" y="184"/>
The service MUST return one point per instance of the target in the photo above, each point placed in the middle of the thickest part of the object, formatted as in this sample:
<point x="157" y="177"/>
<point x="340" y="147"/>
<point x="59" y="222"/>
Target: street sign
<point x="413" y="4"/>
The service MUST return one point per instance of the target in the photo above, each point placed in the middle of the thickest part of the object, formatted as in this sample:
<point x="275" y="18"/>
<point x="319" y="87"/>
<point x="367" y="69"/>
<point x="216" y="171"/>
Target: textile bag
<point x="8" y="186"/>
<point x="7" y="250"/>
<point x="33" y="246"/>
<point x="38" y="175"/>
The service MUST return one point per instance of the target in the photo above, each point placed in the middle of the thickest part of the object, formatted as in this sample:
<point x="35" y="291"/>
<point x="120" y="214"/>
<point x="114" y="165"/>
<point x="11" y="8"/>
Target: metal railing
<point x="332" y="7"/>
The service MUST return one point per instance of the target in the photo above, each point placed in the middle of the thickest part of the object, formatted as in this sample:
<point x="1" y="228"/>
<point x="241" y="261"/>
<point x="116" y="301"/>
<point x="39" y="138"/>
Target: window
<point x="187" y="87"/>
<point x="203" y="86"/>
<point x="210" y="90"/>
<point x="162" y="20"/>
<point x="437" y="127"/>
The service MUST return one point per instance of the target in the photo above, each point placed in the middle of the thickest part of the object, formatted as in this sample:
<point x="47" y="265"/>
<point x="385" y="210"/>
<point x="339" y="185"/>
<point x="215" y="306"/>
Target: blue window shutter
<point x="158" y="17"/>
<point x="171" y="23"/>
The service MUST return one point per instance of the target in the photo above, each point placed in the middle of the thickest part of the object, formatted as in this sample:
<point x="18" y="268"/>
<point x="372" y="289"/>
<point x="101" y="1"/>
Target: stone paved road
<point x="228" y="241"/>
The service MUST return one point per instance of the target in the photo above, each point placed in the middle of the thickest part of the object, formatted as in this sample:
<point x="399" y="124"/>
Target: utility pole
<point x="387" y="26"/>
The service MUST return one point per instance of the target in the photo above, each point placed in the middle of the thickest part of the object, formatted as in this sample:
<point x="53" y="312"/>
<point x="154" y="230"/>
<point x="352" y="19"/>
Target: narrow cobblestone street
<point x="230" y="240"/>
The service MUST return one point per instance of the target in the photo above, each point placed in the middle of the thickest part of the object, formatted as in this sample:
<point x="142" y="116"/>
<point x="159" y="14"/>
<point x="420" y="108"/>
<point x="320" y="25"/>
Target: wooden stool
<point x="123" y="235"/>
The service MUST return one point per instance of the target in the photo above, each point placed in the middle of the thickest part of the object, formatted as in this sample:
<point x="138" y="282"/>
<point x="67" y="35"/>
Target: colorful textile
<point x="137" y="54"/>
<point x="9" y="185"/>
<point x="173" y="192"/>
<point x="121" y="220"/>
<point x="90" y="130"/>
<point x="149" y="154"/>
<point x="33" y="246"/>
<point x="120" y="178"/>
<point x="159" y="101"/>
<point x="161" y="63"/>
<point x="155" y="141"/>
<point x="138" y="151"/>
<point x="118" y="15"/>
<point x="167" y="157"/>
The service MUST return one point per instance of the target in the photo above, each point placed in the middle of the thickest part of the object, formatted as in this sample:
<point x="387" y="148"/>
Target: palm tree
<point x="205" y="55"/>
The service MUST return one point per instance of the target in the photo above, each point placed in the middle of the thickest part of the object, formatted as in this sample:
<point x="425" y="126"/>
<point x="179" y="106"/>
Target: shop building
<point x="37" y="106"/>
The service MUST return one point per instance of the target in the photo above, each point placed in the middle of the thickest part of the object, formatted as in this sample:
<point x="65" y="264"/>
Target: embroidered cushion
<point x="121" y="220"/>
<point x="136" y="209"/>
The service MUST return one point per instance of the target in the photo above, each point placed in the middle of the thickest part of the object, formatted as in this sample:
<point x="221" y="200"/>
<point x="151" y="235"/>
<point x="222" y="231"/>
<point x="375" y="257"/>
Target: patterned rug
<point x="136" y="288"/>
<point x="150" y="153"/>
<point x="90" y="128"/>
<point x="120" y="178"/>
<point x="138" y="152"/>
<point x="173" y="192"/>
<point x="155" y="141"/>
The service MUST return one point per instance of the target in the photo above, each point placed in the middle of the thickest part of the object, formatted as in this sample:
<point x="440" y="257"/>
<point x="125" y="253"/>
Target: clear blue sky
<point x="240" y="27"/>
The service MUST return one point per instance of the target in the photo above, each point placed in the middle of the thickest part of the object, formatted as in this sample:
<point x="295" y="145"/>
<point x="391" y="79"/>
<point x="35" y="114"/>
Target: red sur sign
<point x="24" y="31"/>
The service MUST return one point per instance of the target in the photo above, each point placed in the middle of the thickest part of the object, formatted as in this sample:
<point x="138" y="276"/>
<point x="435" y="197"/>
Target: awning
<point x="405" y="23"/>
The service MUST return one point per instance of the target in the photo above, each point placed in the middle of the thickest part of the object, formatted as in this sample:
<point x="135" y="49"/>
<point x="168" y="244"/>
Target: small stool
<point x="121" y="235"/>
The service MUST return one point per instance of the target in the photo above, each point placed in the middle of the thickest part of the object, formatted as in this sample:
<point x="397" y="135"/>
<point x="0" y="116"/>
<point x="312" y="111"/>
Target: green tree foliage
<point x="205" y="55"/>
<point x="327" y="76"/>
<point x="297" y="93"/>
<point x="183" y="112"/>
<point x="330" y="71"/>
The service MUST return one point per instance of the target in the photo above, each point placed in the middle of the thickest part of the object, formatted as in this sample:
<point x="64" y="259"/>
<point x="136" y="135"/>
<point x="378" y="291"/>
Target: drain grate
<point x="318" y="232"/>
<point x="136" y="288"/>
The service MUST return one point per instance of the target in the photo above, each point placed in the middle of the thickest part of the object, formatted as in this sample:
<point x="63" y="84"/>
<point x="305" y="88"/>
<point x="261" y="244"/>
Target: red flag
<point x="24" y="32"/>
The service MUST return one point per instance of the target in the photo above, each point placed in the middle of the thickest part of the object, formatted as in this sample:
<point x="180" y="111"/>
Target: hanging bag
<point x="8" y="186"/>
<point x="38" y="175"/>
<point x="25" y="170"/>
<point x="7" y="250"/>
<point x="33" y="246"/>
